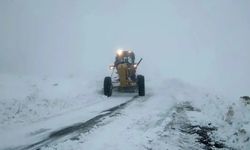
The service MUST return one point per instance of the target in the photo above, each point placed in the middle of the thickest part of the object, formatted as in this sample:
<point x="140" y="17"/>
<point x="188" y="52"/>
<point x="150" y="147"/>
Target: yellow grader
<point x="126" y="79"/>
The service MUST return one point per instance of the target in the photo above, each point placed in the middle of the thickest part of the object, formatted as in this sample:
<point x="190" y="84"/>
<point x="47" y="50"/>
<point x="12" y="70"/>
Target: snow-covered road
<point x="36" y="132"/>
<point x="173" y="115"/>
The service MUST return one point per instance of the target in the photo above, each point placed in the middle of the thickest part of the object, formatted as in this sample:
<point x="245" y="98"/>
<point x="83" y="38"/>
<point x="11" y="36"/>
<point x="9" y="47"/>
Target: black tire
<point x="141" y="85"/>
<point x="107" y="86"/>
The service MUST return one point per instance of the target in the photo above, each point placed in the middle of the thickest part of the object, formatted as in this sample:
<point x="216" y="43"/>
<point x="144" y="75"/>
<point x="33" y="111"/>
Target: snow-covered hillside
<point x="69" y="113"/>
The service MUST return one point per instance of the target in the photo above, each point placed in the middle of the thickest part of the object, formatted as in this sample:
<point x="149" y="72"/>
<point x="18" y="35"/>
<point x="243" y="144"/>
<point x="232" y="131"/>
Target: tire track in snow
<point x="75" y="130"/>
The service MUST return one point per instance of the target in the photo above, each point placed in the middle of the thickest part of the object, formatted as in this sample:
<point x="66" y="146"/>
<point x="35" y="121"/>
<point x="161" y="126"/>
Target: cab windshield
<point x="126" y="57"/>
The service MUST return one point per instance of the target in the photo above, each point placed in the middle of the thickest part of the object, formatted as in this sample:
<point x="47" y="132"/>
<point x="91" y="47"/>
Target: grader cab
<point x="126" y="79"/>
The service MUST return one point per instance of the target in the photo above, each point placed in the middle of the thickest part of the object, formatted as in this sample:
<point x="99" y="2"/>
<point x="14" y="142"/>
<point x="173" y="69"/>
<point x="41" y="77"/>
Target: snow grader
<point x="125" y="78"/>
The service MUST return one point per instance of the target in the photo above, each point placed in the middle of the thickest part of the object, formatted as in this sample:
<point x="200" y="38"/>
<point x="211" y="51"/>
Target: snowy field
<point x="69" y="113"/>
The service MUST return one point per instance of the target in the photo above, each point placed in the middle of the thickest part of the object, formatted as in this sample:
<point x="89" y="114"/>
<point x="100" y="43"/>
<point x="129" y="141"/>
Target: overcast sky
<point x="202" y="42"/>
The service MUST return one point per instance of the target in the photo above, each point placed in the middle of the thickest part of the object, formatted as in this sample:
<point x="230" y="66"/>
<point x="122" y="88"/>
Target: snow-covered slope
<point x="29" y="99"/>
<point x="173" y="115"/>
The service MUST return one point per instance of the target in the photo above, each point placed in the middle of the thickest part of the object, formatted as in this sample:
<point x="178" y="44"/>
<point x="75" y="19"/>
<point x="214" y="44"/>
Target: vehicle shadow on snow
<point x="118" y="94"/>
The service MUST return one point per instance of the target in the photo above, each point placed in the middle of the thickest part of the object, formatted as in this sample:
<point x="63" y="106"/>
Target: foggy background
<point x="205" y="43"/>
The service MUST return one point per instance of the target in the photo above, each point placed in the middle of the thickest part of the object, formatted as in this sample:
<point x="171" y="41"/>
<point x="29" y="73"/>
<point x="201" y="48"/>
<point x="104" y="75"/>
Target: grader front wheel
<point x="107" y="86"/>
<point x="141" y="85"/>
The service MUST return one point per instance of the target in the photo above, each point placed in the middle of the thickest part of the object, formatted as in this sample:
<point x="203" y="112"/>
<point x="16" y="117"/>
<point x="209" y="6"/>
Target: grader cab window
<point x="125" y="57"/>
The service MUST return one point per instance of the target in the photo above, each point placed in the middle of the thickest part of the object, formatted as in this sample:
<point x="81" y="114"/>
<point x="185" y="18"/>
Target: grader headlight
<point x="119" y="52"/>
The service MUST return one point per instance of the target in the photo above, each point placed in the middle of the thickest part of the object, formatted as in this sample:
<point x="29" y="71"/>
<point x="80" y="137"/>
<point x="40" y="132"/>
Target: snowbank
<point x="27" y="99"/>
